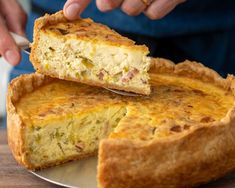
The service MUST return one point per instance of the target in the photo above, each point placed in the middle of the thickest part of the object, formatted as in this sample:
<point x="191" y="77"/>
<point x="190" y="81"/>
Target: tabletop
<point x="13" y="175"/>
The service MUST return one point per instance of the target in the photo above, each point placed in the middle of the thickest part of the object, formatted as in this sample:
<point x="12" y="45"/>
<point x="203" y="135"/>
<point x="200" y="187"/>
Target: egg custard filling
<point x="66" y="120"/>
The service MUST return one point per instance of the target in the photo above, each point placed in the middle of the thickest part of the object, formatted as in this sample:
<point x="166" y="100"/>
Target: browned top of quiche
<point x="176" y="104"/>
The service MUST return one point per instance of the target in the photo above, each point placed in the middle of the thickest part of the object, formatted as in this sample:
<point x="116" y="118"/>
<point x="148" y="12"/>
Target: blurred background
<point x="202" y="31"/>
<point x="4" y="72"/>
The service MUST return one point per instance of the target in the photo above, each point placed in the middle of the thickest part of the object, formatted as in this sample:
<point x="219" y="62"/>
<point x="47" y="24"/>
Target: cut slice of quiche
<point x="181" y="135"/>
<point x="89" y="52"/>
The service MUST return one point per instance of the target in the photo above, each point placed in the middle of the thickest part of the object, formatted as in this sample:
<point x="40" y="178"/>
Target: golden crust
<point x="190" y="69"/>
<point x="201" y="155"/>
<point x="204" y="153"/>
<point x="15" y="126"/>
<point x="90" y="30"/>
<point x="190" y="158"/>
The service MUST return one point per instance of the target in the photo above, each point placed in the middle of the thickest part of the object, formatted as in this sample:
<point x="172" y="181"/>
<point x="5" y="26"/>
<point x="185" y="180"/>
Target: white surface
<point x="5" y="68"/>
<point x="25" y="4"/>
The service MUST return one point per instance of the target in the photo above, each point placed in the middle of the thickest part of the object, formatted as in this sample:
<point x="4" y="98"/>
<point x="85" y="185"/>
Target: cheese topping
<point x="175" y="105"/>
<point x="86" y="28"/>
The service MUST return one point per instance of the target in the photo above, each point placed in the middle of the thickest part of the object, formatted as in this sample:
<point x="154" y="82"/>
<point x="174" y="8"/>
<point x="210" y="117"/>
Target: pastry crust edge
<point x="58" y="17"/>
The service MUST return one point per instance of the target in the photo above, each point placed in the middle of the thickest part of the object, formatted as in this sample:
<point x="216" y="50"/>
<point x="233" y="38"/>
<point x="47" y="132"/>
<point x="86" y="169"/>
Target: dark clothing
<point x="200" y="30"/>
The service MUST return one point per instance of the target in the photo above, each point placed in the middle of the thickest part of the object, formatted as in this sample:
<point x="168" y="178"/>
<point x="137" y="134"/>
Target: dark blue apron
<point x="201" y="30"/>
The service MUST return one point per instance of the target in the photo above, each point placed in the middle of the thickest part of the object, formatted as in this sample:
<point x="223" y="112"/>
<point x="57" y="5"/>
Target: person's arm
<point x="12" y="18"/>
<point x="154" y="9"/>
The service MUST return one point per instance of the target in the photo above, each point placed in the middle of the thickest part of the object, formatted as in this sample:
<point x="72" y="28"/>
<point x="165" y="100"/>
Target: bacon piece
<point x="176" y="128"/>
<point x="130" y="75"/>
<point x="101" y="74"/>
<point x="207" y="119"/>
<point x="79" y="146"/>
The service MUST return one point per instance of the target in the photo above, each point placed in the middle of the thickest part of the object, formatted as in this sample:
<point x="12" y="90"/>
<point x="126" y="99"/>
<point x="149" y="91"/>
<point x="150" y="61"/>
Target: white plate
<point x="80" y="174"/>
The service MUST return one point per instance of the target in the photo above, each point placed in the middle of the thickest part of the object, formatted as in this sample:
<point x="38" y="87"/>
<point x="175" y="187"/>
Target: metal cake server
<point x="23" y="44"/>
<point x="124" y="93"/>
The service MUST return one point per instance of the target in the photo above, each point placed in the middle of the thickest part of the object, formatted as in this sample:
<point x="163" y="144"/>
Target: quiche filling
<point x="75" y="63"/>
<point x="65" y="119"/>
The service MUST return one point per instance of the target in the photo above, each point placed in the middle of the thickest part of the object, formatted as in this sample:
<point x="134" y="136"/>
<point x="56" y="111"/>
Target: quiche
<point x="89" y="52"/>
<point x="181" y="135"/>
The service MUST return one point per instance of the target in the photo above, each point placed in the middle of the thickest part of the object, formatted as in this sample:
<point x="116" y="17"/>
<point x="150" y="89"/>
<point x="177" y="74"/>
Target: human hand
<point x="12" y="18"/>
<point x="154" y="9"/>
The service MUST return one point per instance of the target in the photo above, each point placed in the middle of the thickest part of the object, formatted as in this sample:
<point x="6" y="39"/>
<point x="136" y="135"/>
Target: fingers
<point x="8" y="48"/>
<point x="160" y="8"/>
<point x="130" y="7"/>
<point x="156" y="10"/>
<point x="133" y="7"/>
<point x="15" y="20"/>
<point x="73" y="8"/>
<point x="107" y="5"/>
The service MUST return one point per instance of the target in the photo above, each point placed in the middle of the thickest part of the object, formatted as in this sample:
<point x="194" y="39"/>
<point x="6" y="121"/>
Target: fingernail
<point x="12" y="56"/>
<point x="72" y="11"/>
<point x="22" y="33"/>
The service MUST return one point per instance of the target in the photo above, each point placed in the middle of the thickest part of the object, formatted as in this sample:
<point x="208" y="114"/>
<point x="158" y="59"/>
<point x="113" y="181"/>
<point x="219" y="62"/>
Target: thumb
<point x="8" y="48"/>
<point x="73" y="8"/>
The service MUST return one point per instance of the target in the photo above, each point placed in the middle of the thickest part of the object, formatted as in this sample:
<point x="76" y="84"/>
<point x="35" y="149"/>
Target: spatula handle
<point x="21" y="42"/>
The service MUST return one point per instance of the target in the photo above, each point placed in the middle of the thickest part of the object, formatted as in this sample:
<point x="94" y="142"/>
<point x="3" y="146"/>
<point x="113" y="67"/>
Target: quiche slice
<point x="89" y="52"/>
<point x="181" y="135"/>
